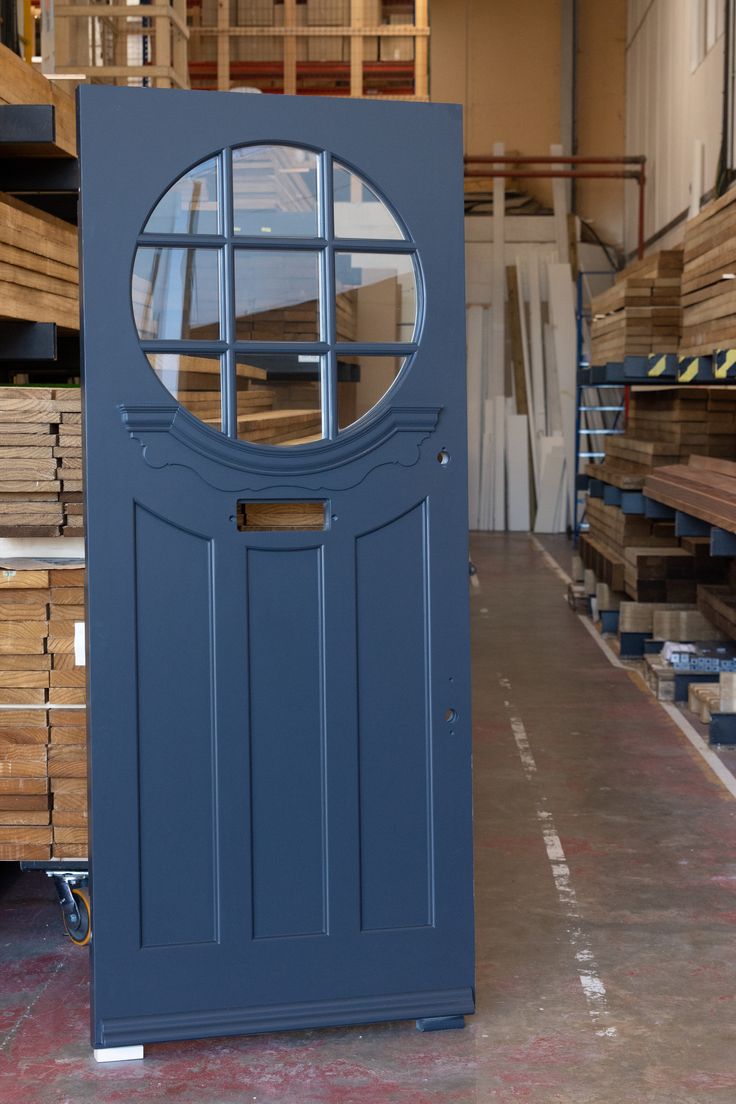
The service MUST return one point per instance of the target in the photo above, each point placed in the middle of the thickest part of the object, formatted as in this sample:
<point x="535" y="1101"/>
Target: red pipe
<point x="574" y="174"/>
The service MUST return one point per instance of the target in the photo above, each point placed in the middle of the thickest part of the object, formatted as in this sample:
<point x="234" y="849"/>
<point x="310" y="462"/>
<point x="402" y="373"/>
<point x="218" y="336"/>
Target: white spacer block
<point x="119" y="1054"/>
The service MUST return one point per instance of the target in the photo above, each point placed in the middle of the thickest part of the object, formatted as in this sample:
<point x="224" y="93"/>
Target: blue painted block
<point x="688" y="526"/>
<point x="722" y="543"/>
<point x="657" y="510"/>
<point x="632" y="502"/>
<point x="611" y="495"/>
<point x="609" y="620"/>
<point x="632" y="644"/>
<point x="722" y="728"/>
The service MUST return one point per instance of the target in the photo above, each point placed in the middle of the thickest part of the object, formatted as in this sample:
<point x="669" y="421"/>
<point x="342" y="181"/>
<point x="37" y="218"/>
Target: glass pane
<point x="376" y="297"/>
<point x="362" y="381"/>
<point x="275" y="191"/>
<point x="359" y="213"/>
<point x="194" y="381"/>
<point x="190" y="206"/>
<point x="276" y="295"/>
<point x="176" y="293"/>
<point x="279" y="398"/>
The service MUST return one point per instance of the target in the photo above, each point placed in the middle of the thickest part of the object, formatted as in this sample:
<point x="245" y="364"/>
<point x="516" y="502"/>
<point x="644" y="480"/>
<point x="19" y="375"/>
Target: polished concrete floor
<point x="606" y="913"/>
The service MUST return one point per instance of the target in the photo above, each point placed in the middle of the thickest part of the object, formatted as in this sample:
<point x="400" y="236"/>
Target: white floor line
<point x="607" y="651"/>
<point x="550" y="561"/>
<point x="590" y="980"/>
<point x="721" y="771"/>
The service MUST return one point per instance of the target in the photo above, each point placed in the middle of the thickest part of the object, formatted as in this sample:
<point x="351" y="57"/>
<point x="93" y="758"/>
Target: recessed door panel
<point x="176" y="732"/>
<point x="287" y="742"/>
<point x="396" y="861"/>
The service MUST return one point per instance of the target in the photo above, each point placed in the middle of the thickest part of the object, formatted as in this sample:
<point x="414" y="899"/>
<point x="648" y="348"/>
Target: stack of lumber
<point x="22" y="84"/>
<point x="42" y="739"/>
<point x="659" y="574"/>
<point x="665" y="426"/>
<point x="640" y="314"/>
<point x="39" y="269"/>
<point x="620" y="530"/>
<point x="683" y="626"/>
<point x="704" y="487"/>
<point x="638" y="617"/>
<point x="687" y="420"/>
<point x="708" y="289"/>
<point x="40" y="462"/>
<point x="718" y="604"/>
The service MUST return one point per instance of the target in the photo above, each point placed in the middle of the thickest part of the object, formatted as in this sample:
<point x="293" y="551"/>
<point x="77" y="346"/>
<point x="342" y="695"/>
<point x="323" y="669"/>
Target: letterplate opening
<point x="274" y="516"/>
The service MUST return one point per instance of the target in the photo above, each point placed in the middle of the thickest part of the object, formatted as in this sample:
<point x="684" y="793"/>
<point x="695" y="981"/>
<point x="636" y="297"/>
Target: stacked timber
<point x="630" y="552"/>
<point x="704" y="487"/>
<point x="39" y="269"/>
<point x="640" y="313"/>
<point x="42" y="739"/>
<point x="665" y="426"/>
<point x="687" y="419"/>
<point x="718" y="604"/>
<point x="20" y="83"/>
<point x="40" y="462"/>
<point x="708" y="288"/>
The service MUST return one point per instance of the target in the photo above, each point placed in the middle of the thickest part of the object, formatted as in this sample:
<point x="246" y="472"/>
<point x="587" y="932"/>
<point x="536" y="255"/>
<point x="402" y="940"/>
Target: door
<point x="279" y="712"/>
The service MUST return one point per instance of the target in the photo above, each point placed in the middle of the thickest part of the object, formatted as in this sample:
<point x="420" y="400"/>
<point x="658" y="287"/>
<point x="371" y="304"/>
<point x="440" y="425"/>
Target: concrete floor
<point x="606" y="894"/>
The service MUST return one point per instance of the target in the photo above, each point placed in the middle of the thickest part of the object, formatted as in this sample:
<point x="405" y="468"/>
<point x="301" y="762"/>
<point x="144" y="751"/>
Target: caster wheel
<point x="80" y="932"/>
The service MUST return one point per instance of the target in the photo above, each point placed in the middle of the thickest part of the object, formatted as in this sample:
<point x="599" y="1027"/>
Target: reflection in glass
<point x="279" y="398"/>
<point x="276" y="295"/>
<point x="176" y="293"/>
<point x="275" y="191"/>
<point x="362" y="381"/>
<point x="190" y="205"/>
<point x="359" y="213"/>
<point x="376" y="297"/>
<point x="194" y="381"/>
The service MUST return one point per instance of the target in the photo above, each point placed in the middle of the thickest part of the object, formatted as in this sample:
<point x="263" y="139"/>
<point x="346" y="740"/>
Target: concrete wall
<point x="502" y="61"/>
<point x="674" y="96"/>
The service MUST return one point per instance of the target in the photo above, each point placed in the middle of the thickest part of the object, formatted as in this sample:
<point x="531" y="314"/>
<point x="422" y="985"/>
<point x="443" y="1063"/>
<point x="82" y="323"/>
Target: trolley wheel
<point x="80" y="932"/>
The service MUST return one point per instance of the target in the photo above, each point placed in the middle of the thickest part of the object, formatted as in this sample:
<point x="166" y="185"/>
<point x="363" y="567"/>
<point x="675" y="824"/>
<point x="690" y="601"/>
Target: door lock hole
<point x="443" y="457"/>
<point x="450" y="716"/>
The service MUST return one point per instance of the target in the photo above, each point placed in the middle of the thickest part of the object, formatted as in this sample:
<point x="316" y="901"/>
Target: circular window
<point x="275" y="294"/>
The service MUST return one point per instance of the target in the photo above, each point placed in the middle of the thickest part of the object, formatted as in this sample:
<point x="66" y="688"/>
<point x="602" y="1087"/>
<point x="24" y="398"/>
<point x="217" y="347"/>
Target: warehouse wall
<point x="502" y="61"/>
<point x="674" y="96"/>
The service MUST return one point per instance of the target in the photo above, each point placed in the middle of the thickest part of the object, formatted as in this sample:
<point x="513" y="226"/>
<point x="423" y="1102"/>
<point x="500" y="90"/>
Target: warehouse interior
<point x="597" y="385"/>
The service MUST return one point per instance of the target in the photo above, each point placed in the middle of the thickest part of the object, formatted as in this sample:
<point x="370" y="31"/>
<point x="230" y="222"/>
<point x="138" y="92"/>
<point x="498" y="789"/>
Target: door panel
<point x="287" y="742"/>
<point x="394" y="729"/>
<point x="174" y="648"/>
<point x="274" y="783"/>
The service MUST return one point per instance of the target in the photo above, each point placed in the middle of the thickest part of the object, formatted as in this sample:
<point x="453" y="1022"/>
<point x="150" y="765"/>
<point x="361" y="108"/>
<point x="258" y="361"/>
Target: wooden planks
<point x="39" y="268"/>
<point x="40" y="483"/>
<point x="43" y="758"/>
<point x="20" y="83"/>
<point x="641" y="313"/>
<point x="704" y="487"/>
<point x="709" y="300"/>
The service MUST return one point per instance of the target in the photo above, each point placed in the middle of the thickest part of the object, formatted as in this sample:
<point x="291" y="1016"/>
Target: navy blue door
<point x="279" y="709"/>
